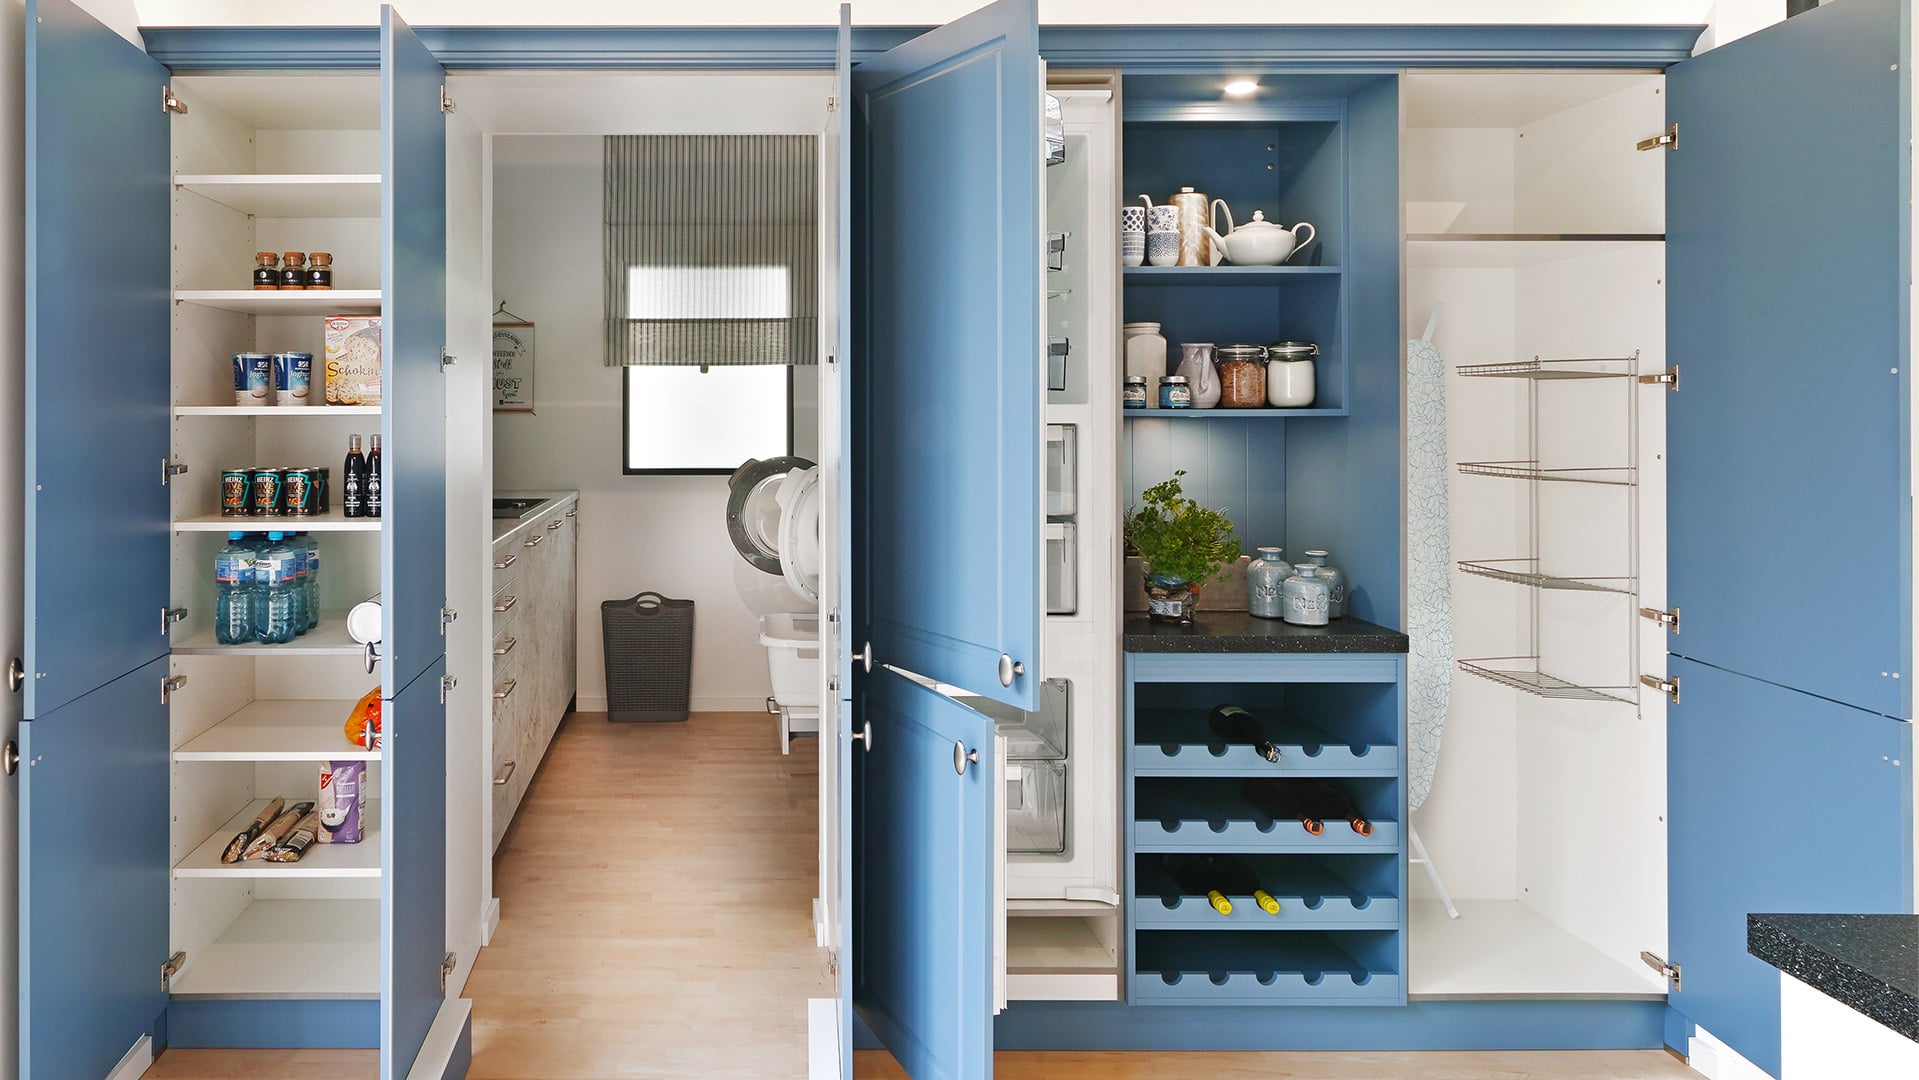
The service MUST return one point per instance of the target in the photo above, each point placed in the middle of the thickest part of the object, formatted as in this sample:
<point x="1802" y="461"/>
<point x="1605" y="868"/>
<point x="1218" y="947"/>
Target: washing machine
<point x="773" y="518"/>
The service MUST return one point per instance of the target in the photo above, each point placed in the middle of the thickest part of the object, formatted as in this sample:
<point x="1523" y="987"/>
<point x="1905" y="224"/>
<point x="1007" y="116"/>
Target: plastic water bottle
<point x="312" y="579"/>
<point x="233" y="576"/>
<point x="297" y="582"/>
<point x="276" y="604"/>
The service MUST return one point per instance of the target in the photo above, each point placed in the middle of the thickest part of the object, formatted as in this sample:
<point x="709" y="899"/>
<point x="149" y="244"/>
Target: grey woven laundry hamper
<point x="649" y="658"/>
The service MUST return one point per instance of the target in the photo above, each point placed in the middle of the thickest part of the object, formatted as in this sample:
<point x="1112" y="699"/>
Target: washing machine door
<point x="753" y="509"/>
<point x="800" y="555"/>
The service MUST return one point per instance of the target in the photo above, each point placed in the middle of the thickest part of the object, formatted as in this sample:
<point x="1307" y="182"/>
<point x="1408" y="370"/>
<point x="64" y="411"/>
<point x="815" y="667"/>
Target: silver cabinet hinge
<point x="832" y="361"/>
<point x="1667" y="619"/>
<point x="171" y="968"/>
<point x="446" y="103"/>
<point x="447" y="617"/>
<point x="833" y="616"/>
<point x="168" y="685"/>
<point x="1668" y="378"/>
<point x="832" y="104"/>
<point x="447" y="683"/>
<point x="1658" y="963"/>
<point x="169" y="103"/>
<point x="447" y="359"/>
<point x="1668" y="687"/>
<point x="169" y="616"/>
<point x="1670" y="140"/>
<point x="170" y="469"/>
<point x="447" y="964"/>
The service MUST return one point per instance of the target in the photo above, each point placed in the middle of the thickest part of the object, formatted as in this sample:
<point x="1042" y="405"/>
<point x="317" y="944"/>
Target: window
<point x="705" y="420"/>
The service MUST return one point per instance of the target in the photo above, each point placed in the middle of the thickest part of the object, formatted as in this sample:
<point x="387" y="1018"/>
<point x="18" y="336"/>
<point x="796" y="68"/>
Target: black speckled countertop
<point x="1238" y="632"/>
<point x="1869" y="962"/>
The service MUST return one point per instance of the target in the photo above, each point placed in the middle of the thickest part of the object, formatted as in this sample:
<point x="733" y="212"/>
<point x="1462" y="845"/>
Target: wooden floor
<point x="655" y="921"/>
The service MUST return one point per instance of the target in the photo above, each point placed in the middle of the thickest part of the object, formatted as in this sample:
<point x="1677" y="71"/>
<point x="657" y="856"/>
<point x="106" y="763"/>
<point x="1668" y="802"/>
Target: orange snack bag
<point x="365" y="718"/>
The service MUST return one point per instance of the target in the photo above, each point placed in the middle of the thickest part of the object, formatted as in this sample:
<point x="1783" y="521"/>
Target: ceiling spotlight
<point x="1242" y="87"/>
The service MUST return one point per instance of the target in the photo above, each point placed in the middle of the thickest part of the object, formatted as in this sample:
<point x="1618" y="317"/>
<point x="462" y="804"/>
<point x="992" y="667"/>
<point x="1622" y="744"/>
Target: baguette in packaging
<point x="237" y="848"/>
<point x="272" y="836"/>
<point x="298" y="841"/>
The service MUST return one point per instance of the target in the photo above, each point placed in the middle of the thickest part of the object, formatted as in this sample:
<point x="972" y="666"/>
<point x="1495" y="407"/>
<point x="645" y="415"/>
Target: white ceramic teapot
<point x="1258" y="242"/>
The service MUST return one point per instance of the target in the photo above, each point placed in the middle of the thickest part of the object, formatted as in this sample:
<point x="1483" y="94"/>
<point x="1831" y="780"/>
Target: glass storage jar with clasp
<point x="1265" y="578"/>
<point x="1335" y="582"/>
<point x="1306" y="597"/>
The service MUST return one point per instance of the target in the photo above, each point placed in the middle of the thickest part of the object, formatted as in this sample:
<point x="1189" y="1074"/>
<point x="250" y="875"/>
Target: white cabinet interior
<point x="267" y="163"/>
<point x="1536" y="223"/>
<point x="535" y="647"/>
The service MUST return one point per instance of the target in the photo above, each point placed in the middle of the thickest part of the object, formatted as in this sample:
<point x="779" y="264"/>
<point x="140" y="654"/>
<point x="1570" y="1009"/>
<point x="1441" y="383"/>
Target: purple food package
<point x="342" y="804"/>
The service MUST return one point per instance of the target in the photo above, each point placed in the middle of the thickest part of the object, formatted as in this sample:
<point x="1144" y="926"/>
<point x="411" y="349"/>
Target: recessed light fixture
<point x="1241" y="87"/>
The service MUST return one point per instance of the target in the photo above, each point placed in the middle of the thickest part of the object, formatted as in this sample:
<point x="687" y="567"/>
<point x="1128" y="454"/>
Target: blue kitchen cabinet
<point x="119" y="607"/>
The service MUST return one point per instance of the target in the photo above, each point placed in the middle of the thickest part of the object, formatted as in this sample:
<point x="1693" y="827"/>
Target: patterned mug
<point x="1163" y="218"/>
<point x="1162" y="248"/>
<point x="1132" y="219"/>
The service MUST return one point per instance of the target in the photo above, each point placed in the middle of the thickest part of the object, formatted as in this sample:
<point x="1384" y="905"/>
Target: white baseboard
<point x="699" y="704"/>
<point x="489" y="921"/>
<point x="823" y="1061"/>
<point x="138" y="1059"/>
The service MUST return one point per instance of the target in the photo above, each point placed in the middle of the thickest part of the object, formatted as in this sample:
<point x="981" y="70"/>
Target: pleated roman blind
<point x="712" y="249"/>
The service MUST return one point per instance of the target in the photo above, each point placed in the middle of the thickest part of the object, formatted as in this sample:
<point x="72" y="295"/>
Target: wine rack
<point x="1338" y="936"/>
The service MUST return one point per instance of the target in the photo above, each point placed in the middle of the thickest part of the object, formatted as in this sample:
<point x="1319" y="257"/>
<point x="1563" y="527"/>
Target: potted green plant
<point x="1184" y="545"/>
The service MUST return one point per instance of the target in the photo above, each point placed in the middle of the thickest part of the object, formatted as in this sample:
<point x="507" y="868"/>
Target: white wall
<point x="911" y="12"/>
<point x="666" y="533"/>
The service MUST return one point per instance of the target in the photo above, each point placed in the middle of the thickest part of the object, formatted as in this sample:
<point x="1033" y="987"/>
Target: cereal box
<point x="353" y="360"/>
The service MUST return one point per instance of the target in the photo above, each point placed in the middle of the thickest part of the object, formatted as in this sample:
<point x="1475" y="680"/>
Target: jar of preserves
<point x="1242" y="376"/>
<point x="320" y="270"/>
<point x="266" y="270"/>
<point x="1134" y="396"/>
<point x="293" y="270"/>
<point x="1175" y="392"/>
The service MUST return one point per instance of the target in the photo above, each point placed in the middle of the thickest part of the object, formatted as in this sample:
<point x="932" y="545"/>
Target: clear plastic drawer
<point x="1062" y="470"/>
<point x="1062" y="568"/>
<point x="1035" y="807"/>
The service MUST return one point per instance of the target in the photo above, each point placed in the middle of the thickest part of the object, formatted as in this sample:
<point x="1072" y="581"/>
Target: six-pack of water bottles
<point x="269" y="587"/>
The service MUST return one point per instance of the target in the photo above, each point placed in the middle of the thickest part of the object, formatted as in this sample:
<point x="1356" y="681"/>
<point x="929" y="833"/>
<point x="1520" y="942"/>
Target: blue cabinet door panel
<point x="1778" y="801"/>
<point x="98" y="267"/>
<point x="922" y="880"/>
<point x="93" y="876"/>
<point x="950" y="156"/>
<point x="1788" y="436"/>
<point x="413" y="305"/>
<point x="413" y="868"/>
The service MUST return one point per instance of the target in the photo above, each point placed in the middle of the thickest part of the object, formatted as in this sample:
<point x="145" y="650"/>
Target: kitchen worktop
<point x="1868" y="962"/>
<point x="504" y="527"/>
<point x="1238" y="632"/>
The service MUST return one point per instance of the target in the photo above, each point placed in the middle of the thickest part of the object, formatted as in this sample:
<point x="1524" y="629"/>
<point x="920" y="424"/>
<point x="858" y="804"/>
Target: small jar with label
<point x="266" y="271"/>
<point x="1134" y="395"/>
<point x="320" y="270"/>
<point x="1335" y="582"/>
<point x="1175" y="392"/>
<point x="1306" y="598"/>
<point x="1265" y="578"/>
<point x="293" y="270"/>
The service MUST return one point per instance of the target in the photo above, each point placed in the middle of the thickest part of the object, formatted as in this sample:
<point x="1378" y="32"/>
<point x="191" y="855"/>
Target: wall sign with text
<point x="513" y="367"/>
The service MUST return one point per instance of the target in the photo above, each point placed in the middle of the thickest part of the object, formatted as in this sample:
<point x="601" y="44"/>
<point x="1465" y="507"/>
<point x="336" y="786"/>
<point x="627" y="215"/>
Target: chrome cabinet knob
<point x="962" y="756"/>
<point x="864" y="736"/>
<point x="1009" y="669"/>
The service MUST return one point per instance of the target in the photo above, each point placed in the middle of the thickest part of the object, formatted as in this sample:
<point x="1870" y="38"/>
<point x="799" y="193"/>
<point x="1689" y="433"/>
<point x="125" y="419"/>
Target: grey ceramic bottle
<point x="1265" y="577"/>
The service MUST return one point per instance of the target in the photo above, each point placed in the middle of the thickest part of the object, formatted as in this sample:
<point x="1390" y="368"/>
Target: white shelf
<point x="279" y="731"/>
<point x="271" y="410"/>
<point x="1470" y="251"/>
<point x="328" y="639"/>
<point x="290" y="949"/>
<point x="361" y="860"/>
<point x="342" y="195"/>
<point x="333" y="522"/>
<point x="1505" y="949"/>
<point x="285" y="302"/>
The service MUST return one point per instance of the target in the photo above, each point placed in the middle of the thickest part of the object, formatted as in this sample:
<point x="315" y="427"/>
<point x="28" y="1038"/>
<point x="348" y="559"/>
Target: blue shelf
<point x="1225" y="275"/>
<point x="1227" y="414"/>
<point x="1344" y="892"/>
<point x="1190" y="967"/>
<point x="1178" y="743"/>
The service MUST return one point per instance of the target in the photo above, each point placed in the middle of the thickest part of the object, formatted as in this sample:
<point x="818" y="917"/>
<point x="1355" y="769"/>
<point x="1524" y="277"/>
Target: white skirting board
<point x="138" y="1060"/>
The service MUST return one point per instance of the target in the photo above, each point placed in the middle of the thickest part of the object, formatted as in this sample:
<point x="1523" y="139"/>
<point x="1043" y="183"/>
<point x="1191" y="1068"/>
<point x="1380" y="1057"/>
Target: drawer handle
<point x="505" y="775"/>
<point x="507" y="604"/>
<point x="556" y="523"/>
<point x="506" y="648"/>
<point x="503" y="694"/>
<point x="573" y="512"/>
<point x="535" y="542"/>
<point x="506" y="562"/>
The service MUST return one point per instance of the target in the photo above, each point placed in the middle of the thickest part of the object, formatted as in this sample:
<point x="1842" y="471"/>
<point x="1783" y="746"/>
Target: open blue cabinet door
<point x="1789" y="803"/>
<point x="923" y="879"/>
<point x="949" y="165"/>
<point x="1788" y="445"/>
<point x="1788" y="436"/>
<point x="412" y="544"/>
<point x="93" y="832"/>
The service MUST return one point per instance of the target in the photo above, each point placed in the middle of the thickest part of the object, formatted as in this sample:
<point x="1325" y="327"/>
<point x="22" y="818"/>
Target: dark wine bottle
<point x="1333" y="801"/>
<point x="1239" y="728"/>
<point x="373" y="479"/>
<point x="353" y="480"/>
<point x="1284" y="800"/>
<point x="1217" y="878"/>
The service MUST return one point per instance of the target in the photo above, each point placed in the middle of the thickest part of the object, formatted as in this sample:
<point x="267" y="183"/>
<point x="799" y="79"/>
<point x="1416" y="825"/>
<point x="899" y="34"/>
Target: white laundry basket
<point x="793" y="653"/>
